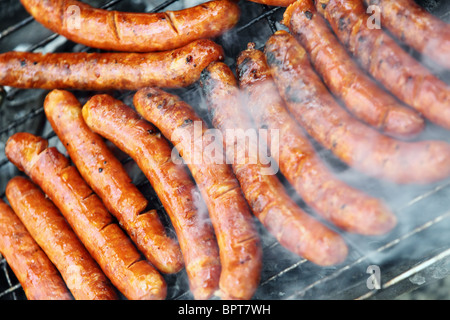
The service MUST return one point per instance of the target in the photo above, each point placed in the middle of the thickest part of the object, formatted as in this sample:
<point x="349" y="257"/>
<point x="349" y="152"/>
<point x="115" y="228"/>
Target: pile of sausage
<point x="77" y="227"/>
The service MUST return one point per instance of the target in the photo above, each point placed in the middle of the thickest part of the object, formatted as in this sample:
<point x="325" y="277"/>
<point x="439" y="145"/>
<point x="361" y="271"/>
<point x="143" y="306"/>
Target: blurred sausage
<point x="38" y="276"/>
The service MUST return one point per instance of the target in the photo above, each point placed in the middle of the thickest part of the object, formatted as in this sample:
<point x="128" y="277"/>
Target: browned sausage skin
<point x="356" y="144"/>
<point x="108" y="70"/>
<point x="268" y="199"/>
<point x="346" y="207"/>
<point x="416" y="27"/>
<point x="38" y="276"/>
<point x="107" y="177"/>
<point x="53" y="234"/>
<point x="363" y="97"/>
<point x="134" y="32"/>
<point x="386" y="61"/>
<point x="179" y="195"/>
<point x="134" y="277"/>
<point x="237" y="236"/>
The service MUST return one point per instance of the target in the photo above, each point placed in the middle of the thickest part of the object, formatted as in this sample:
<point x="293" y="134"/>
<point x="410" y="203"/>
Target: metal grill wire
<point x="285" y="276"/>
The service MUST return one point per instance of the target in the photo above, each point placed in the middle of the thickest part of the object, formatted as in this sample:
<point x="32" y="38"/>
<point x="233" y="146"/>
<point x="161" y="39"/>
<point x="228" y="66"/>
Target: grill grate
<point x="418" y="249"/>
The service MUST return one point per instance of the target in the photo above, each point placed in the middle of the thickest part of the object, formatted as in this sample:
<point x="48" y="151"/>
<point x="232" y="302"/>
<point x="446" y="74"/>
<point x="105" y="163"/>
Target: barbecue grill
<point x="414" y="254"/>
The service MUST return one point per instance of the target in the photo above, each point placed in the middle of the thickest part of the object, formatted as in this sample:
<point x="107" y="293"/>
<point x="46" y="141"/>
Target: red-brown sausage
<point x="268" y="199"/>
<point x="108" y="71"/>
<point x="176" y="190"/>
<point x="107" y="177"/>
<point x="345" y="206"/>
<point x="115" y="253"/>
<point x="38" y="276"/>
<point x="82" y="275"/>
<point x="356" y="144"/>
<point x="363" y="97"/>
<point x="134" y="32"/>
<point x="415" y="26"/>
<point x="238" y="239"/>
<point x="386" y="61"/>
<point x="277" y="3"/>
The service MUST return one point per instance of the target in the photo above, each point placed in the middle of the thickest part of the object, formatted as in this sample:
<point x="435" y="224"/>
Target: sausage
<point x="115" y="253"/>
<point x="108" y="71"/>
<point x="413" y="25"/>
<point x="121" y="125"/>
<point x="104" y="173"/>
<point x="346" y="207"/>
<point x="386" y="61"/>
<point x="37" y="275"/>
<point x="134" y="32"/>
<point x="345" y="79"/>
<point x="238" y="239"/>
<point x="44" y="222"/>
<point x="269" y="201"/>
<point x="351" y="141"/>
<point x="277" y="3"/>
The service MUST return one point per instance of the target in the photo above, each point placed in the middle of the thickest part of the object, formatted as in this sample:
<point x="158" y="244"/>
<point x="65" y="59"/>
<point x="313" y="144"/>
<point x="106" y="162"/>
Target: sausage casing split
<point x="82" y="275"/>
<point x="176" y="190"/>
<point x="107" y="177"/>
<point x="134" y="32"/>
<point x="346" y="207"/>
<point x="238" y="239"/>
<point x="269" y="201"/>
<point x="386" y="61"/>
<point x="413" y="25"/>
<point x="363" y="97"/>
<point x="108" y="70"/>
<point x="115" y="253"/>
<point x="38" y="276"/>
<point x="353" y="142"/>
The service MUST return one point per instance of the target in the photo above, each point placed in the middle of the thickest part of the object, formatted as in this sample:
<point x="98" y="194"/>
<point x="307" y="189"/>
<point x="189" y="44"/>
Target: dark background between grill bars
<point x="412" y="256"/>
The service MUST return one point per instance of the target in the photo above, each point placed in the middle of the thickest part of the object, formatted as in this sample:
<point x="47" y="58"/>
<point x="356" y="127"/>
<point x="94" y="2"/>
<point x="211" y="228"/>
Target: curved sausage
<point x="115" y="253"/>
<point x="413" y="25"/>
<point x="238" y="239"/>
<point x="346" y="80"/>
<point x="134" y="32"/>
<point x="38" y="276"/>
<point x="346" y="207"/>
<point x="179" y="195"/>
<point x="50" y="230"/>
<point x="269" y="201"/>
<point x="386" y="61"/>
<point x="353" y="142"/>
<point x="108" y="71"/>
<point x="104" y="173"/>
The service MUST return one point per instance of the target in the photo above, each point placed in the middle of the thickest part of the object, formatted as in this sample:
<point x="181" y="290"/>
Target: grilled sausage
<point x="133" y="276"/>
<point x="50" y="230"/>
<point x="179" y="195"/>
<point x="346" y="207"/>
<point x="386" y="61"/>
<point x="134" y="32"/>
<point x="38" y="276"/>
<point x="107" y="177"/>
<point x="345" y="79"/>
<point x="277" y="3"/>
<point x="108" y="71"/>
<point x="268" y="199"/>
<point x="413" y="25"/>
<point x="353" y="142"/>
<point x="237" y="236"/>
